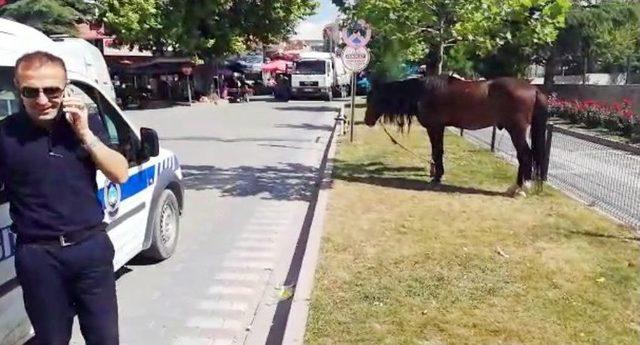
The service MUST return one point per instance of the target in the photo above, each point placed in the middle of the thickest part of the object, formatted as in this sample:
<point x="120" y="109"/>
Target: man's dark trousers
<point x="59" y="282"/>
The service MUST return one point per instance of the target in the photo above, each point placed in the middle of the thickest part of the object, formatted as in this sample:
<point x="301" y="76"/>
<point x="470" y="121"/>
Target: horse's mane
<point x="398" y="100"/>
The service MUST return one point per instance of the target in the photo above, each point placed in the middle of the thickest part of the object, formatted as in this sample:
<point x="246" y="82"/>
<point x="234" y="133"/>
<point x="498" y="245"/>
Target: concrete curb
<point x="299" y="313"/>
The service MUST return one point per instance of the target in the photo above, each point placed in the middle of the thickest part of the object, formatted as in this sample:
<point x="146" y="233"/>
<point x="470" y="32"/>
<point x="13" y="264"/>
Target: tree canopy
<point x="435" y="27"/>
<point x="203" y="27"/>
<point x="49" y="16"/>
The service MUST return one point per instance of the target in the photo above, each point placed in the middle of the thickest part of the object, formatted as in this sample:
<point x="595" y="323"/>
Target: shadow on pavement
<point x="234" y="140"/>
<point x="282" y="146"/>
<point x="310" y="108"/>
<point x="308" y="126"/>
<point x="408" y="178"/>
<point x="289" y="181"/>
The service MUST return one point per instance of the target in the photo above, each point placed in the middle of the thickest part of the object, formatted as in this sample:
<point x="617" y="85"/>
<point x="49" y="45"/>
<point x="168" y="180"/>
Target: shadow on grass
<point x="609" y="236"/>
<point x="408" y="178"/>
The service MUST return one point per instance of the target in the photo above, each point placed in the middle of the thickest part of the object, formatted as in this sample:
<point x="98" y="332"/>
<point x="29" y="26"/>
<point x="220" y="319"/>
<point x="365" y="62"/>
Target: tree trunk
<point x="550" y="70"/>
<point x="440" y="57"/>
<point x="585" y="69"/>
<point x="628" y="71"/>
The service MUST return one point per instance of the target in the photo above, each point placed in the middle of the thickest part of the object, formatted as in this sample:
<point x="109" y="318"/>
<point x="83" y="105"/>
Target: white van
<point x="89" y="62"/>
<point x="143" y="213"/>
<point x="320" y="74"/>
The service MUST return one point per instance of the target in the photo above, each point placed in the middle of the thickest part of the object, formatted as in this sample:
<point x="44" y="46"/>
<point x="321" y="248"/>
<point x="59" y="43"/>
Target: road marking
<point x="230" y="290"/>
<point x="269" y="222"/>
<point x="264" y="228"/>
<point x="273" y="214"/>
<point x="257" y="236"/>
<point x="218" y="305"/>
<point x="255" y="245"/>
<point x="213" y="322"/>
<point x="223" y="341"/>
<point x="246" y="254"/>
<point x="238" y="276"/>
<point x="205" y="322"/>
<point x="247" y="264"/>
<point x="193" y="341"/>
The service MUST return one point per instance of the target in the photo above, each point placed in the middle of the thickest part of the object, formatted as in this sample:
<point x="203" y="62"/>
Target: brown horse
<point x="441" y="101"/>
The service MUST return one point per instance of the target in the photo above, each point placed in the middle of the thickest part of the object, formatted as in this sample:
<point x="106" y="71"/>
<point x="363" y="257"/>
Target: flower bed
<point x="617" y="118"/>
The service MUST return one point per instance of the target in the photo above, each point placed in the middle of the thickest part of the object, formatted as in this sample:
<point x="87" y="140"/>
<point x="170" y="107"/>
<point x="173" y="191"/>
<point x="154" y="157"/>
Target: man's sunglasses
<point x="34" y="92"/>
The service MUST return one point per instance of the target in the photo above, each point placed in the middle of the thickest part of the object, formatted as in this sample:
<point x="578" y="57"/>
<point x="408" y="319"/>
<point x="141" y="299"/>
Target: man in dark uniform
<point x="49" y="153"/>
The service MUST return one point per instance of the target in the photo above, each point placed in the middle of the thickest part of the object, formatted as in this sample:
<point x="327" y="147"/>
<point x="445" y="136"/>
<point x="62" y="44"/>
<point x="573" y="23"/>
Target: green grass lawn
<point x="406" y="263"/>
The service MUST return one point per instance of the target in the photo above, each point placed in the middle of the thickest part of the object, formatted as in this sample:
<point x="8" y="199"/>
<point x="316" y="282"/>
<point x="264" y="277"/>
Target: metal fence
<point x="604" y="174"/>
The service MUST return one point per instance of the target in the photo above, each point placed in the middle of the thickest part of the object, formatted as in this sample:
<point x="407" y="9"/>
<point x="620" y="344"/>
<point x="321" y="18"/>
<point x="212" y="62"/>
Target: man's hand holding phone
<point x="77" y="115"/>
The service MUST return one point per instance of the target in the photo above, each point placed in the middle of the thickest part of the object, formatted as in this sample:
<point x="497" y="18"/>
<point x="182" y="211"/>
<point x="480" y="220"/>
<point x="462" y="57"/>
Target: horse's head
<point x="373" y="112"/>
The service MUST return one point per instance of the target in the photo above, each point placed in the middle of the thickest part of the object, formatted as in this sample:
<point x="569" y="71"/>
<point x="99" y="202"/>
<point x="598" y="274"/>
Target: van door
<point x="14" y="324"/>
<point x="126" y="205"/>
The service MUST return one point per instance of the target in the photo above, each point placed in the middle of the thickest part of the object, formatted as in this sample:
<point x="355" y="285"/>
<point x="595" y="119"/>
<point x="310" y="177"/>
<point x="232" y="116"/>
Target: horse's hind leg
<point x="436" y="136"/>
<point x="525" y="157"/>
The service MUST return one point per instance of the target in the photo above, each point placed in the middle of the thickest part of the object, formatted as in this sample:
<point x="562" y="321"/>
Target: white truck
<point x="320" y="74"/>
<point x="143" y="214"/>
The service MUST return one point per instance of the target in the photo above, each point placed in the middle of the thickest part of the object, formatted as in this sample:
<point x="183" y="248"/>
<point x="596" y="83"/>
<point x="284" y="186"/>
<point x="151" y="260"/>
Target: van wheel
<point x="328" y="97"/>
<point x="165" y="228"/>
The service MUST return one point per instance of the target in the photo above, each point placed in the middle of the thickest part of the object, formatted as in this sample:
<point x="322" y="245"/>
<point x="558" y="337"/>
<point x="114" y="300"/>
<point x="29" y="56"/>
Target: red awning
<point x="277" y="66"/>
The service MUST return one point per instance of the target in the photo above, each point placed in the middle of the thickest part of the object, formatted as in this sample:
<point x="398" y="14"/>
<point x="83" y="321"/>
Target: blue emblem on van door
<point x="112" y="197"/>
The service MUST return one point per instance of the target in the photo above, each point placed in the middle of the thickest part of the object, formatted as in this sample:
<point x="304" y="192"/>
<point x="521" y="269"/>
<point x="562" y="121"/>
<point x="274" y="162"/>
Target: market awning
<point x="277" y="66"/>
<point x="159" y="65"/>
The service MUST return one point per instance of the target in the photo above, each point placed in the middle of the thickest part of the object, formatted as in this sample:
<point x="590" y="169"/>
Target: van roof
<point x="18" y="39"/>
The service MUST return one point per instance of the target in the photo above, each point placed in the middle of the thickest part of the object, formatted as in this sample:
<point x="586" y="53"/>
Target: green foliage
<point x="478" y="26"/>
<point x="608" y="30"/>
<point x="49" y="16"/>
<point x="203" y="27"/>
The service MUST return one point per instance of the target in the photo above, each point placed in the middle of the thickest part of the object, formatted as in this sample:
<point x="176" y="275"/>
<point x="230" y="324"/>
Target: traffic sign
<point x="355" y="59"/>
<point x="357" y="35"/>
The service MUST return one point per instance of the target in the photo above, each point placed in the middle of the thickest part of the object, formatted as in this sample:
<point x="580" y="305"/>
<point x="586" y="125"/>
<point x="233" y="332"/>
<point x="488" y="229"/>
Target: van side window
<point x="119" y="135"/>
<point x="9" y="98"/>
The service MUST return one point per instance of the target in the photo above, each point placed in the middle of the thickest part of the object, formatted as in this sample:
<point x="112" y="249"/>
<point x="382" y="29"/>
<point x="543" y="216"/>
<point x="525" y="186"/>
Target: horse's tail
<point x="538" y="136"/>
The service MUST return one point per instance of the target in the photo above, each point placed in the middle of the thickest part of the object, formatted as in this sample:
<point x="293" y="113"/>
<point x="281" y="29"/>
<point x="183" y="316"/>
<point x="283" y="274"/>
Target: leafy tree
<point x="203" y="28"/>
<point x="478" y="26"/>
<point x="605" y="32"/>
<point x="49" y="16"/>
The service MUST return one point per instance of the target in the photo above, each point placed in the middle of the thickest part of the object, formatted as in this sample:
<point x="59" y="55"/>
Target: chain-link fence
<point x="602" y="173"/>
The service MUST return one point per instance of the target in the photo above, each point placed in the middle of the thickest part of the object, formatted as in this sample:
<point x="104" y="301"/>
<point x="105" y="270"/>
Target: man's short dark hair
<point x="40" y="58"/>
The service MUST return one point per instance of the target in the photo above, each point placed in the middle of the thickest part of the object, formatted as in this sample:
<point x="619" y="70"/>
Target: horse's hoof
<point x="511" y="191"/>
<point x="527" y="186"/>
<point x="520" y="194"/>
<point x="435" y="181"/>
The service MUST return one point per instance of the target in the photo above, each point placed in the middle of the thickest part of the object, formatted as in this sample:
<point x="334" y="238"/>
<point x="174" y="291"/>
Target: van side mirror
<point x="150" y="144"/>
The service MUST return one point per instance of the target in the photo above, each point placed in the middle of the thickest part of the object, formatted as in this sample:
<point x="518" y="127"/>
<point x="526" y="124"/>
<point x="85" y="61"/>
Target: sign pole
<point x="353" y="101"/>
<point x="189" y="89"/>
<point x="355" y="57"/>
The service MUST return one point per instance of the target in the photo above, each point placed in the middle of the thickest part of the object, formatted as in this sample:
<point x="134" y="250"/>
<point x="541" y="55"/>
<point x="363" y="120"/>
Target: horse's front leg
<point x="436" y="136"/>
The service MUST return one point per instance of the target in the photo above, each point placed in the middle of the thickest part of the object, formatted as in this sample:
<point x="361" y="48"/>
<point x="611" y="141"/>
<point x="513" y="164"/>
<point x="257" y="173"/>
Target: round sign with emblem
<point x="112" y="196"/>
<point x="357" y="35"/>
<point x="355" y="59"/>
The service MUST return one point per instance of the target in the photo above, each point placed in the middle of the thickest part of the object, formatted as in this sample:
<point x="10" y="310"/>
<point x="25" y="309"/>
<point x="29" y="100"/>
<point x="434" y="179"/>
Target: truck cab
<point x="321" y="75"/>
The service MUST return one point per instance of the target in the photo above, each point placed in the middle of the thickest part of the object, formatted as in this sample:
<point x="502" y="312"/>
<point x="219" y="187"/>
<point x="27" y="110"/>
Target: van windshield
<point x="9" y="101"/>
<point x="310" y="67"/>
